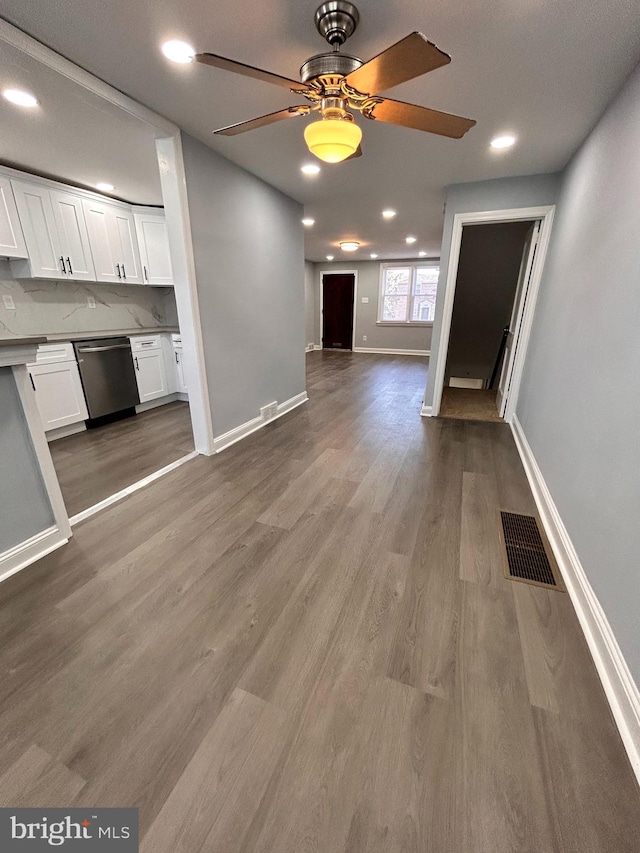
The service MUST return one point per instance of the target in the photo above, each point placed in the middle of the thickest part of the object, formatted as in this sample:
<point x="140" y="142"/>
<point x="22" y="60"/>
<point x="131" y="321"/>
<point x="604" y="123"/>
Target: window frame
<point x="413" y="266"/>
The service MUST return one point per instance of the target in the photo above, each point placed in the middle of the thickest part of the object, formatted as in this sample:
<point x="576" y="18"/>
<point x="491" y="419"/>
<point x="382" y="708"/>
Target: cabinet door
<point x="12" y="243"/>
<point x="59" y="394"/>
<point x="74" y="238"/>
<point x="129" y="255"/>
<point x="40" y="232"/>
<point x="104" y="240"/>
<point x="151" y="375"/>
<point x="153" y="242"/>
<point x="180" y="383"/>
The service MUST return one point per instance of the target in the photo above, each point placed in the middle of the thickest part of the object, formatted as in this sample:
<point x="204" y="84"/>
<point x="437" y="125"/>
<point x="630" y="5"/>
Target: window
<point x="407" y="293"/>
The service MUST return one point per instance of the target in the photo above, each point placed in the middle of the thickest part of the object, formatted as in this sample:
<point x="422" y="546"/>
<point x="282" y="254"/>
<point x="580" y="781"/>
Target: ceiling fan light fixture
<point x="333" y="139"/>
<point x="349" y="246"/>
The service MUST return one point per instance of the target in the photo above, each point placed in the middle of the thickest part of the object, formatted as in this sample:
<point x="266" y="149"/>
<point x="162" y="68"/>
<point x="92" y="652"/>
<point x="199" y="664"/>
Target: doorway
<point x="496" y="371"/>
<point x="338" y="294"/>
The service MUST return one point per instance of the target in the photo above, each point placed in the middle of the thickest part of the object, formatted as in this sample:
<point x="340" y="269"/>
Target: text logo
<point x="79" y="830"/>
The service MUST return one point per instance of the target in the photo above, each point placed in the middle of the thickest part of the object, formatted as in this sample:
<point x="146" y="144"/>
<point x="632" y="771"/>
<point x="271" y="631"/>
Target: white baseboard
<point x="238" y="433"/>
<point x="153" y="404"/>
<point x="134" y="487"/>
<point x="620" y="688"/>
<point x="22" y="555"/>
<point x="63" y="432"/>
<point x="426" y="411"/>
<point x="184" y="398"/>
<point x="422" y="352"/>
<point x="317" y="346"/>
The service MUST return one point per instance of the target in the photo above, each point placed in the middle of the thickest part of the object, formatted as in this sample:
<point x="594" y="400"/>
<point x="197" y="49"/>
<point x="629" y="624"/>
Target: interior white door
<point x="153" y="242"/>
<point x="39" y="228"/>
<point x="74" y="237"/>
<point x="104" y="240"/>
<point x="12" y="244"/>
<point x="151" y="375"/>
<point x="515" y="324"/>
<point x="129" y="255"/>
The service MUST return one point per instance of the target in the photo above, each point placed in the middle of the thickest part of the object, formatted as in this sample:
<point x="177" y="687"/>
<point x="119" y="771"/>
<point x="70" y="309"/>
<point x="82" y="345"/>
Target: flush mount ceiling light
<point x="104" y="187"/>
<point x="329" y="257"/>
<point x="337" y="86"/>
<point x="308" y="222"/>
<point x="503" y="141"/>
<point x="20" y="98"/>
<point x="410" y="239"/>
<point x="388" y="214"/>
<point x="373" y="255"/>
<point x="310" y="169"/>
<point x="178" y="51"/>
<point x="349" y="246"/>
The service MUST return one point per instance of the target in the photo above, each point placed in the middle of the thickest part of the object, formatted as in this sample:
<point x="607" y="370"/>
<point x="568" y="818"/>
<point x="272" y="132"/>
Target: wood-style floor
<point x="97" y="463"/>
<point x="307" y="644"/>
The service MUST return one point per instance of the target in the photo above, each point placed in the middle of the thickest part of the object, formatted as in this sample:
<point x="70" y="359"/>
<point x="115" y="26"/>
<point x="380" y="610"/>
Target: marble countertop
<point x="86" y="336"/>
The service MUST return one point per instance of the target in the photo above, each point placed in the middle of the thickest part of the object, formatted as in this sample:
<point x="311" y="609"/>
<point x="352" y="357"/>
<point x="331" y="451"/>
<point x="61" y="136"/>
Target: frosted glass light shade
<point x="332" y="140"/>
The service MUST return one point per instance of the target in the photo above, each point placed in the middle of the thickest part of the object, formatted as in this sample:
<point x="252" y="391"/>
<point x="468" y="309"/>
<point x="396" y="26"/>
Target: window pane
<point x="397" y="281"/>
<point x="427" y="280"/>
<point x="394" y="308"/>
<point x="423" y="308"/>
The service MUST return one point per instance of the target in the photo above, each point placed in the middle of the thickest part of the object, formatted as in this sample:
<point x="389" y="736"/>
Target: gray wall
<point x="378" y="337"/>
<point x="311" y="317"/>
<point x="501" y="194"/>
<point x="249" y="257"/>
<point x="490" y="258"/>
<point x="25" y="509"/>
<point x="579" y="402"/>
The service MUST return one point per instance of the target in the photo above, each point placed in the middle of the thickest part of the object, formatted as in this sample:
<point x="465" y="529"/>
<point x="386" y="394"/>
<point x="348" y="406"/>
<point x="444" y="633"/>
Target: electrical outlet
<point x="9" y="304"/>
<point x="365" y="299"/>
<point x="91" y="302"/>
<point x="364" y="337"/>
<point x="270" y="411"/>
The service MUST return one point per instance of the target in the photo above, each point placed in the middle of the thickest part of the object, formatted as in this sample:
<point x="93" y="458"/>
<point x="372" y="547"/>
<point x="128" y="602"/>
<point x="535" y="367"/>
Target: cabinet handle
<point x="136" y="361"/>
<point x="33" y="384"/>
<point x="118" y="268"/>
<point x="70" y="267"/>
<point x="124" y="274"/>
<point x="146" y="274"/>
<point x="177" y="359"/>
<point x="64" y="269"/>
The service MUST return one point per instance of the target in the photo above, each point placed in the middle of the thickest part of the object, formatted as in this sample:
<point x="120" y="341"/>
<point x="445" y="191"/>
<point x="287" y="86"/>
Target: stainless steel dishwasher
<point x="108" y="376"/>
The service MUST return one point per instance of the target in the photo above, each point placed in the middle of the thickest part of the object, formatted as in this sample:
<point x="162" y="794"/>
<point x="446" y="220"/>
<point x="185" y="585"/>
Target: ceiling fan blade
<point x="249" y="71"/>
<point x="408" y="58"/>
<point x="263" y="121"/>
<point x="421" y="118"/>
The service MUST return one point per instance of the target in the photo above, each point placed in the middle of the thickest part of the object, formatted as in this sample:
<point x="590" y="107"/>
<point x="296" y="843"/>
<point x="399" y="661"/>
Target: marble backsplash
<point x="56" y="307"/>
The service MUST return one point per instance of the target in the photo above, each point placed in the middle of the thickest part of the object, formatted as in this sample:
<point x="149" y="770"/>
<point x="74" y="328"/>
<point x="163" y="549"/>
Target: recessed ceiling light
<point x="308" y="222"/>
<point x="422" y="254"/>
<point x="503" y="141"/>
<point x="178" y="51"/>
<point x="388" y="214"/>
<point x="105" y="188"/>
<point x="410" y="239"/>
<point x="349" y="246"/>
<point x="373" y="255"/>
<point x="329" y="257"/>
<point x="310" y="169"/>
<point x="20" y="98"/>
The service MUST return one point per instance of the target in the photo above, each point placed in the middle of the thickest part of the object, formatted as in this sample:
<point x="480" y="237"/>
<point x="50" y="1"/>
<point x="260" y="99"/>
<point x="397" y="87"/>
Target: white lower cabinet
<point x="151" y="372"/>
<point x="58" y="388"/>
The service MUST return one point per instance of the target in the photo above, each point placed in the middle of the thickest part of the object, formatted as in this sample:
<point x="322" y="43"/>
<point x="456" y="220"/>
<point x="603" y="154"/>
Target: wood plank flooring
<point x="97" y="463"/>
<point x="305" y="644"/>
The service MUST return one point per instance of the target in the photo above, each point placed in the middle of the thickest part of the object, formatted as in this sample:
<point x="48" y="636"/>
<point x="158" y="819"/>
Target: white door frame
<point x="172" y="175"/>
<point x="545" y="215"/>
<point x="354" y="273"/>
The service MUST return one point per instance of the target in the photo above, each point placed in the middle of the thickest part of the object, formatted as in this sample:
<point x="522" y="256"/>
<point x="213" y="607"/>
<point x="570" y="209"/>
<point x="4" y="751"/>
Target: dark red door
<point x="337" y="305"/>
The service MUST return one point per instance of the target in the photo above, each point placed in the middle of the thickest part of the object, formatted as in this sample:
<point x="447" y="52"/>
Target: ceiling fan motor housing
<point x="333" y="64"/>
<point x="336" y="20"/>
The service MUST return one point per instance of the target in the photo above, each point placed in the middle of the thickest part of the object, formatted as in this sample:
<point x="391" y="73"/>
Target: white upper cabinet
<point x="153" y="243"/>
<point x="40" y="233"/>
<point x="113" y="242"/>
<point x="74" y="238"/>
<point x="12" y="243"/>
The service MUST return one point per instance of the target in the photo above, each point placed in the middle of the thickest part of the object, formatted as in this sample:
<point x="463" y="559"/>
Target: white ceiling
<point x="542" y="69"/>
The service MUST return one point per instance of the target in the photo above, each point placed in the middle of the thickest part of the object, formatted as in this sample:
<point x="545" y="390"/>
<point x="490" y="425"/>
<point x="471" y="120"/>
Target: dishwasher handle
<point x="104" y="349"/>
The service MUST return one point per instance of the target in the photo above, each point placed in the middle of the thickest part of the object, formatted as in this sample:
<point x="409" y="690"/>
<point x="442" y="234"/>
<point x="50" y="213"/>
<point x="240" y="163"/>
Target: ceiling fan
<point x="336" y="85"/>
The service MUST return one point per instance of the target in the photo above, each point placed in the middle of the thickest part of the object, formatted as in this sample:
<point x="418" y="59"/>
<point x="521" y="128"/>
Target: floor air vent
<point x="527" y="557"/>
